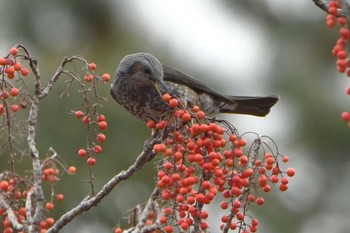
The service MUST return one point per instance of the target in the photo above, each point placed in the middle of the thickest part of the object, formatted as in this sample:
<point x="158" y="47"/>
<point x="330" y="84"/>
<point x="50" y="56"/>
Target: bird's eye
<point x="147" y="70"/>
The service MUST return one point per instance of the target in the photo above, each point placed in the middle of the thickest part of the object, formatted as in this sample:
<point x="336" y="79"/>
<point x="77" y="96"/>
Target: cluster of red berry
<point x="202" y="159"/>
<point x="340" y="49"/>
<point x="15" y="95"/>
<point x="12" y="99"/>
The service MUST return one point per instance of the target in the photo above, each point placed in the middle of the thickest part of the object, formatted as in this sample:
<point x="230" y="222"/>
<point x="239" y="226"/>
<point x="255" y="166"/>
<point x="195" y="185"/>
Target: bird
<point x="141" y="80"/>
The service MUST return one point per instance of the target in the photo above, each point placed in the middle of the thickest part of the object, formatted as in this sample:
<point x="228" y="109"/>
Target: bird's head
<point x="145" y="63"/>
<point x="142" y="62"/>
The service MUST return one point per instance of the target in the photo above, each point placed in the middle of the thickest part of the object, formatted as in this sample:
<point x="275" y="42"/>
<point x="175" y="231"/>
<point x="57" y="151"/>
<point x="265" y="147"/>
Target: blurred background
<point x="237" y="47"/>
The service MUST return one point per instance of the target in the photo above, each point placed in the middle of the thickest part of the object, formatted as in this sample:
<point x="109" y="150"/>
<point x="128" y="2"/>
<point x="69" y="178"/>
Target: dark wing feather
<point x="175" y="76"/>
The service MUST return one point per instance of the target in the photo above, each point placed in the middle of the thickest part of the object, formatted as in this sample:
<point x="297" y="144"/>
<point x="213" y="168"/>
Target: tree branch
<point x="323" y="5"/>
<point x="90" y="202"/>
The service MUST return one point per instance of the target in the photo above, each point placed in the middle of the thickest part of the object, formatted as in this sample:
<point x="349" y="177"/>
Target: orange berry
<point x="200" y="115"/>
<point x="50" y="221"/>
<point x="4" y="185"/>
<point x="24" y="71"/>
<point x="49" y="206"/>
<point x="59" y="197"/>
<point x="186" y="117"/>
<point x="173" y="103"/>
<point x="151" y="124"/>
<point x="3" y="61"/>
<point x="9" y="70"/>
<point x="166" y="97"/>
<point x="72" y="170"/>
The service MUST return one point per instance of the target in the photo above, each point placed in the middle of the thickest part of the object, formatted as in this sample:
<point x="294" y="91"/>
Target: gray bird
<point x="141" y="80"/>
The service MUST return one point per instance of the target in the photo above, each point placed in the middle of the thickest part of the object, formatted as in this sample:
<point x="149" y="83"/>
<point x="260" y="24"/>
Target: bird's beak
<point x="161" y="87"/>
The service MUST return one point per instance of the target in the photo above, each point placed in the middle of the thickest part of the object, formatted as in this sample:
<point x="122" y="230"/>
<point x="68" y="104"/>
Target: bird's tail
<point x="251" y="105"/>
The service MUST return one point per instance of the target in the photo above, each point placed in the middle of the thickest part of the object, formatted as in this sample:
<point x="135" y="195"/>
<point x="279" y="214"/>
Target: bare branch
<point x="90" y="202"/>
<point x="37" y="175"/>
<point x="323" y="5"/>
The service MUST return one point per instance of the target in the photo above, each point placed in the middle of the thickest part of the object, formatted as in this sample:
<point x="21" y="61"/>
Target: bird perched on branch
<point x="141" y="80"/>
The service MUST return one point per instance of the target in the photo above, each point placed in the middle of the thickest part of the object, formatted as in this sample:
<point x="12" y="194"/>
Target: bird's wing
<point x="175" y="76"/>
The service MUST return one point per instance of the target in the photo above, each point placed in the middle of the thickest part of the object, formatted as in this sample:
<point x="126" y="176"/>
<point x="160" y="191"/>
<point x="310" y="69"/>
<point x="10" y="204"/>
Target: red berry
<point x="92" y="66"/>
<point x="59" y="197"/>
<point x="86" y="119"/>
<point x="97" y="149"/>
<point x="345" y="116"/>
<point x="15" y="108"/>
<point x="82" y="152"/>
<point x="344" y="33"/>
<point x="204" y="225"/>
<point x="283" y="187"/>
<point x="290" y="172"/>
<point x="91" y="161"/>
<point x="101" y="118"/>
<point x="102" y="125"/>
<point x="89" y="77"/>
<point x="14" y="91"/>
<point x="347" y="91"/>
<point x="341" y="54"/>
<point x="118" y="230"/>
<point x="260" y="201"/>
<point x="101" y="137"/>
<point x="79" y="114"/>
<point x="168" y="229"/>
<point x="106" y="77"/>
<point x="14" y="51"/>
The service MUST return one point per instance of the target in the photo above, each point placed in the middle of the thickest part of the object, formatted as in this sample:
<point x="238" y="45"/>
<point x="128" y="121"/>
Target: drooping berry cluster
<point x="341" y="48"/>
<point x="203" y="159"/>
<point x="94" y="144"/>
